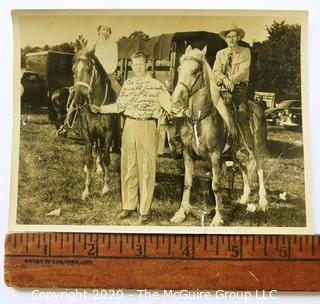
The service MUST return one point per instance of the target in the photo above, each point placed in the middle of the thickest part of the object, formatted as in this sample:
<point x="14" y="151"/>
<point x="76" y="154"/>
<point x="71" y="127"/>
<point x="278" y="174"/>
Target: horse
<point x="204" y="133"/>
<point x="92" y="86"/>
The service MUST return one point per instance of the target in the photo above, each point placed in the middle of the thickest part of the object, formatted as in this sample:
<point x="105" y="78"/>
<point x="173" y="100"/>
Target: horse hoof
<point x="85" y="195"/>
<point x="263" y="204"/>
<point x="216" y="222"/>
<point x="105" y="190"/>
<point x="178" y="217"/>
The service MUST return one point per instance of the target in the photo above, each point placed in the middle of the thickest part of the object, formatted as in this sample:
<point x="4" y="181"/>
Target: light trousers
<point x="138" y="164"/>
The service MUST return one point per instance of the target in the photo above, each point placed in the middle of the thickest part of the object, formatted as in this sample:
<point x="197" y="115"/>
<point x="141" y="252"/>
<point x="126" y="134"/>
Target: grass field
<point x="51" y="177"/>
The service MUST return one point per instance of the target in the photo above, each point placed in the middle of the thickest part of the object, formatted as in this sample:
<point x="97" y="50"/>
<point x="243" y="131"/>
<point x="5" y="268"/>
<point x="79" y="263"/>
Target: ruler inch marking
<point x="289" y="247"/>
<point x="205" y="243"/>
<point x="132" y="242"/>
<point x="265" y="246"/>
<point x="15" y="241"/>
<point x="27" y="243"/>
<point x="253" y="245"/>
<point x="145" y="246"/>
<point x="50" y="244"/>
<point x="157" y="242"/>
<point x="313" y="246"/>
<point x="121" y="249"/>
<point x="61" y="240"/>
<point x="217" y="245"/>
<point x="109" y="241"/>
<point x="73" y="243"/>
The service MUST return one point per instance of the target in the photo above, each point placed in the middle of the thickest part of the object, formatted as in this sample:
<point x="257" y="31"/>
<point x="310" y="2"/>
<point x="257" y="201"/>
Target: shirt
<point x="107" y="53"/>
<point x="143" y="98"/>
<point x="240" y="67"/>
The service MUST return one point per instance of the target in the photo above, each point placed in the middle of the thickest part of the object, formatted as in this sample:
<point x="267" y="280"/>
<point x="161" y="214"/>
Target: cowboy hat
<point x="233" y="28"/>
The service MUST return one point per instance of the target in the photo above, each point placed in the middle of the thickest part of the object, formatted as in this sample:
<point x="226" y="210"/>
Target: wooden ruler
<point x="139" y="261"/>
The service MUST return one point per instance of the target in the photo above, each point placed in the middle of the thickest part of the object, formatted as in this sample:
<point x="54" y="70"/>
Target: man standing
<point x="231" y="71"/>
<point x="140" y="100"/>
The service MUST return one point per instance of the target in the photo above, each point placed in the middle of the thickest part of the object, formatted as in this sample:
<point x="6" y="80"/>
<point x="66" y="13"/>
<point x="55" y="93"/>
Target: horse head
<point x="84" y="73"/>
<point x="192" y="78"/>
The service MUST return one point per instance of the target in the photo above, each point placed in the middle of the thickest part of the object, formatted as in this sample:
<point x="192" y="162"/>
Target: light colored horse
<point x="204" y="133"/>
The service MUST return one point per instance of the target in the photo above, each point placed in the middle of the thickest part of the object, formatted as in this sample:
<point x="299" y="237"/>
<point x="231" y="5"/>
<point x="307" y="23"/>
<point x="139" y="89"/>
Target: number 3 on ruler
<point x="139" y="251"/>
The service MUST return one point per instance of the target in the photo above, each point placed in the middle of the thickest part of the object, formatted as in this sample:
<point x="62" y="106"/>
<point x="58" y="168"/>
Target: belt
<point x="139" y="118"/>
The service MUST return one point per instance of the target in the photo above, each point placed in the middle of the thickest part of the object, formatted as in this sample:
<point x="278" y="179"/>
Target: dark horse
<point x="92" y="86"/>
<point x="205" y="133"/>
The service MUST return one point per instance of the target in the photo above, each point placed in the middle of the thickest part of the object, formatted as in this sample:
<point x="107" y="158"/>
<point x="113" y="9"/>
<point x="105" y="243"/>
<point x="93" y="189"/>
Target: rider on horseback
<point x="231" y="72"/>
<point x="106" y="50"/>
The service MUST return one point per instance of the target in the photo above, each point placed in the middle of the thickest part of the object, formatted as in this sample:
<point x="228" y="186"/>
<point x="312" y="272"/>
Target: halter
<point x="189" y="90"/>
<point x="90" y="85"/>
<point x="191" y="93"/>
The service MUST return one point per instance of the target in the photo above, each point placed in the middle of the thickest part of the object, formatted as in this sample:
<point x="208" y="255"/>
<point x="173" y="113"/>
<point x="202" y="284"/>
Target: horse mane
<point x="90" y="56"/>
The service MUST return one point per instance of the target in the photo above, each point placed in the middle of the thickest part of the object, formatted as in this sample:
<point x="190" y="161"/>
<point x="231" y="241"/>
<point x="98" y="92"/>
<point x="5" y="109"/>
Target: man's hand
<point x="94" y="108"/>
<point x="228" y="84"/>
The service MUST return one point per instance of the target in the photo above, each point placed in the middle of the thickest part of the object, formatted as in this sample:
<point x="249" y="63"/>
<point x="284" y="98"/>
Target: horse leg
<point x="263" y="203"/>
<point x="216" y="187"/>
<point x="188" y="176"/>
<point x="88" y="166"/>
<point x="246" y="186"/>
<point x="105" y="154"/>
<point x="99" y="151"/>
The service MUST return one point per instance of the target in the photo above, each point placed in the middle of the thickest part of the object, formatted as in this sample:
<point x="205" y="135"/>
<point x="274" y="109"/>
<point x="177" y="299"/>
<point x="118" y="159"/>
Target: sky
<point x="53" y="28"/>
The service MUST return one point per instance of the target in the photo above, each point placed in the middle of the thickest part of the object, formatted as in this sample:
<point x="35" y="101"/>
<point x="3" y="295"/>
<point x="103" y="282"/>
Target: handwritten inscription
<point x="141" y="98"/>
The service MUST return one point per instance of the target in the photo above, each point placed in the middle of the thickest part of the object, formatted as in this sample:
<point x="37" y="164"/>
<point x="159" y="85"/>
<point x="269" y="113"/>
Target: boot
<point x="247" y="136"/>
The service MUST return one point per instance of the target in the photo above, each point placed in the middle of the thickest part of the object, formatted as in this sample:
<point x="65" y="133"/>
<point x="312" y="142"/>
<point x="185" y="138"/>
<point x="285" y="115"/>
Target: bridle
<point x="90" y="85"/>
<point x="94" y="71"/>
<point x="190" y="89"/>
<point x="192" y="92"/>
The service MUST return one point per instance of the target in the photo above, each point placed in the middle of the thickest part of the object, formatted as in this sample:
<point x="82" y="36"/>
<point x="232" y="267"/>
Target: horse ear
<point x="204" y="51"/>
<point x="188" y="49"/>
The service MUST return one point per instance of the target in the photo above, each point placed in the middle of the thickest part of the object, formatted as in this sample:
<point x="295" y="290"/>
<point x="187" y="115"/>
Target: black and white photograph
<point x="161" y="121"/>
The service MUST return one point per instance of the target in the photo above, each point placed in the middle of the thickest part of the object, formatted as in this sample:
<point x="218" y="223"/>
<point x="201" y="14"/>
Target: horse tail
<point x="59" y="101"/>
